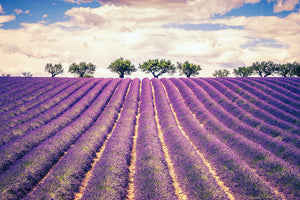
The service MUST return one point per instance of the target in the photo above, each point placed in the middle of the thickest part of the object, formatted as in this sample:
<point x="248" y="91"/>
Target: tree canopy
<point x="158" y="67"/>
<point x="264" y="69"/>
<point x="82" y="69"/>
<point x="243" y="71"/>
<point x="27" y="74"/>
<point x="54" y="69"/>
<point x="295" y="71"/>
<point x="122" y="67"/>
<point x="221" y="73"/>
<point x="189" y="69"/>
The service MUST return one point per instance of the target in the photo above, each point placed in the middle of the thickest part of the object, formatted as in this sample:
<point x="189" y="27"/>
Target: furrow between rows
<point x="28" y="171"/>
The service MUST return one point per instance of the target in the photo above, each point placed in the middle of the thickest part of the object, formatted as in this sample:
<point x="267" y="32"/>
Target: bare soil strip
<point x="208" y="165"/>
<point x="130" y="190"/>
<point x="178" y="191"/>
<point x="98" y="154"/>
<point x="49" y="172"/>
<point x="221" y="183"/>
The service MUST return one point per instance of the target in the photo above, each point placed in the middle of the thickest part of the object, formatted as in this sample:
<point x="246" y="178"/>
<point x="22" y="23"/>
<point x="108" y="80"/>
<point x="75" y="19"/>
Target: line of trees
<point x="264" y="69"/>
<point x="124" y="67"/>
<point x="158" y="67"/>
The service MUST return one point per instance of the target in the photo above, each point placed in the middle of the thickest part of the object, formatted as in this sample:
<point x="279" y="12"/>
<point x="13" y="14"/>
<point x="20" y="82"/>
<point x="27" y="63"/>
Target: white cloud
<point x="18" y="11"/>
<point x="6" y="18"/>
<point x="101" y="35"/>
<point x="1" y="10"/>
<point x="284" y="5"/>
<point x="27" y="11"/>
<point x="45" y="16"/>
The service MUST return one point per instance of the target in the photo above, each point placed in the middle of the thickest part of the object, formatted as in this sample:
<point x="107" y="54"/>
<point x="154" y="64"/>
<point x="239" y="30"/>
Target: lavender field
<point x="177" y="138"/>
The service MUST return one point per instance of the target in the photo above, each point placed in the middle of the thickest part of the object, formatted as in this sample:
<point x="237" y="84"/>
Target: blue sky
<point x="211" y="33"/>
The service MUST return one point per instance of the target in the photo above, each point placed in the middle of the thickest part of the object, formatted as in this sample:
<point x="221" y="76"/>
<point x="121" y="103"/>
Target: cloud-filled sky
<point x="215" y="34"/>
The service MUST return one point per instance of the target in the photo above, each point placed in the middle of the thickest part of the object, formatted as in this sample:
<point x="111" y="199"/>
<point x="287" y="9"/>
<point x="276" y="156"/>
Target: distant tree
<point x="264" y="69"/>
<point x="82" y="69"/>
<point x="189" y="69"/>
<point x="284" y="69"/>
<point x="158" y="68"/>
<point x="295" y="71"/>
<point x="88" y="76"/>
<point x="221" y="73"/>
<point x="122" y="67"/>
<point x="54" y="69"/>
<point x="243" y="71"/>
<point x="27" y="74"/>
<point x="4" y="74"/>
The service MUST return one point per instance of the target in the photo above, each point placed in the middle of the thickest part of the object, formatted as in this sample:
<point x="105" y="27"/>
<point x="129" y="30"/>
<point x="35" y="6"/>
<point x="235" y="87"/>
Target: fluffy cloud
<point x="6" y="18"/>
<point x="284" y="5"/>
<point x="101" y="35"/>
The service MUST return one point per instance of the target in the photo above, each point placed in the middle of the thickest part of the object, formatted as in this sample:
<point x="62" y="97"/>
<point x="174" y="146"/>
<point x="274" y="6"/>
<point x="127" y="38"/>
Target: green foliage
<point x="122" y="67"/>
<point x="82" y="69"/>
<point x="54" y="69"/>
<point x="295" y="71"/>
<point x="88" y="76"/>
<point x="243" y="71"/>
<point x="284" y="69"/>
<point x="189" y="69"/>
<point x="27" y="74"/>
<point x="264" y="69"/>
<point x="157" y="68"/>
<point x="221" y="73"/>
<point x="7" y="75"/>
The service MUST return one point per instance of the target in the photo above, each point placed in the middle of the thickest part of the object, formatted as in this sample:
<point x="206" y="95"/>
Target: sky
<point x="211" y="33"/>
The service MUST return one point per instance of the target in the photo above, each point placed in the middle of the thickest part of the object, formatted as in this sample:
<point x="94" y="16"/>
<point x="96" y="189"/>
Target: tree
<point x="284" y="69"/>
<point x="82" y="69"/>
<point x="243" y="71"/>
<point x="27" y="74"/>
<point x="122" y="67"/>
<point x="264" y="69"/>
<point x="189" y="69"/>
<point x="54" y="69"/>
<point x="158" y="68"/>
<point x="221" y="73"/>
<point x="295" y="71"/>
<point x="7" y="75"/>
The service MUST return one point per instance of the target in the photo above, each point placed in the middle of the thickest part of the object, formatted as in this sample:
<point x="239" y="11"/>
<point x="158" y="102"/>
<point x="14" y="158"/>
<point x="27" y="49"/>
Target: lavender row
<point x="291" y="84"/>
<point x="9" y="83"/>
<point x="24" y="91"/>
<point x="273" y="110"/>
<point x="64" y="180"/>
<point x="236" y="174"/>
<point x="109" y="179"/>
<point x="247" y="105"/>
<point x="15" y="149"/>
<point x="152" y="179"/>
<point x="279" y="173"/>
<point x="29" y="170"/>
<point x="246" y="117"/>
<point x="50" y="115"/>
<point x="38" y="102"/>
<point x="285" y="151"/>
<point x="267" y="98"/>
<point x="193" y="175"/>
<point x="281" y="86"/>
<point x="57" y="97"/>
<point x="277" y="92"/>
